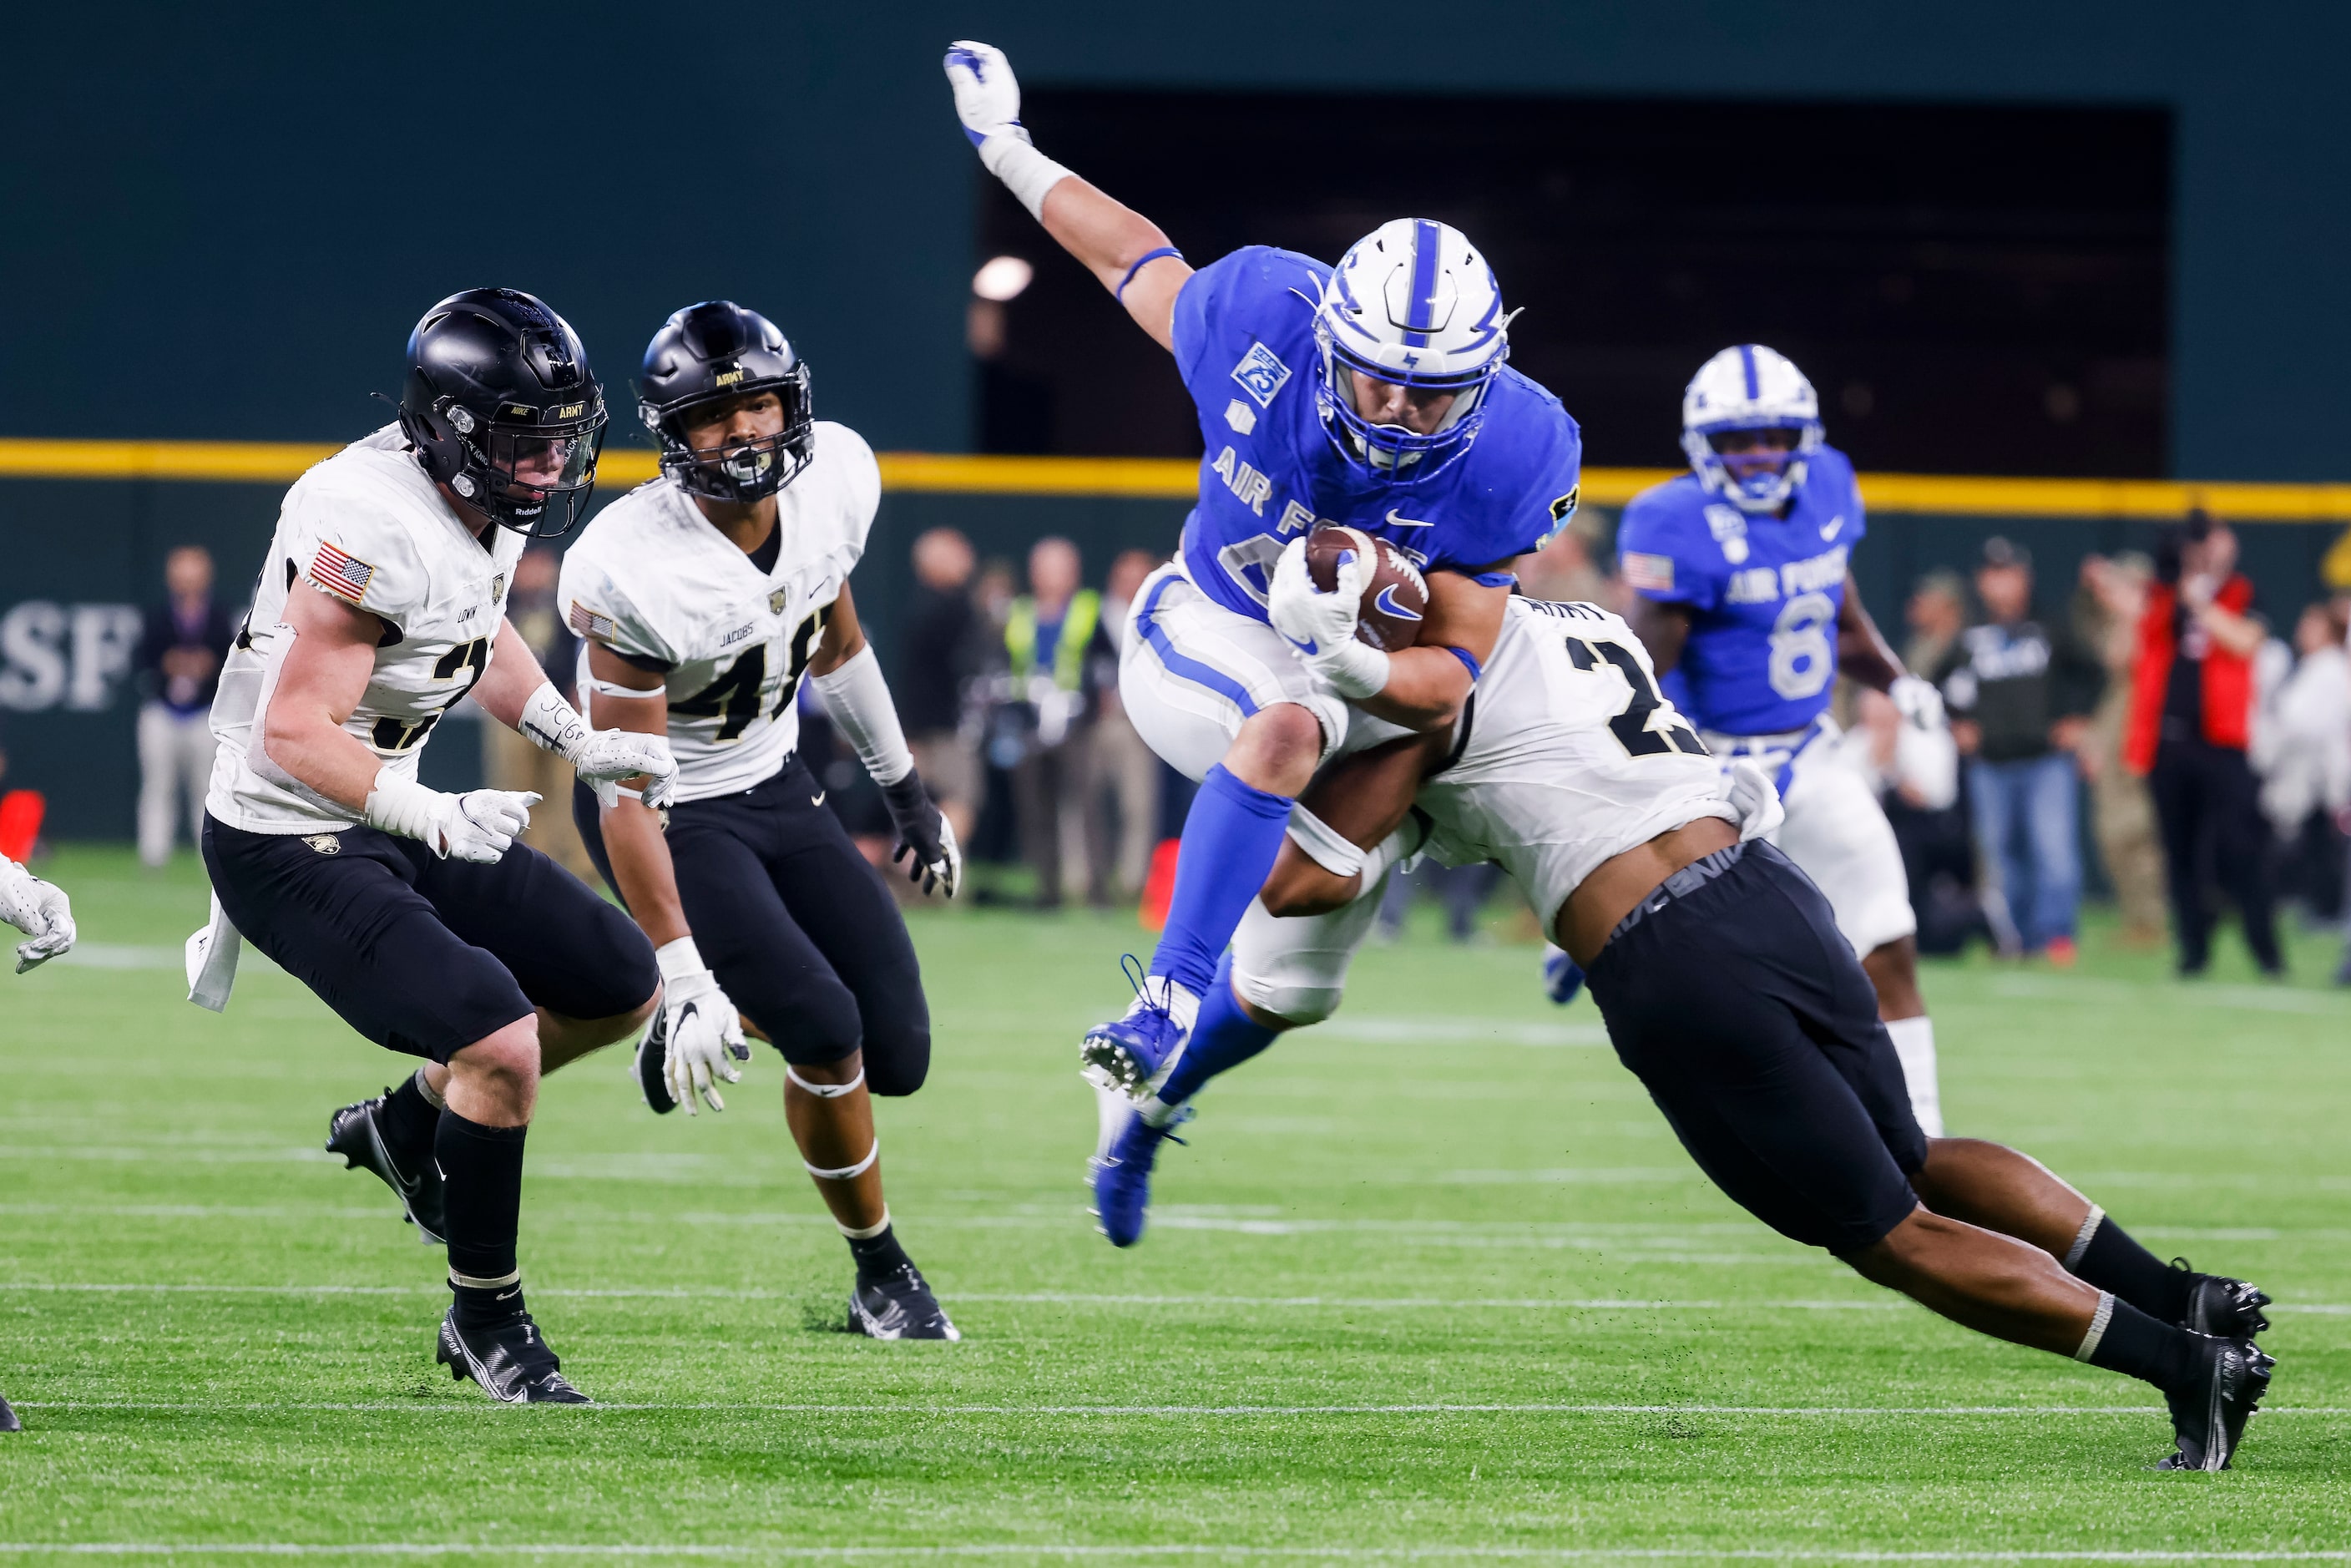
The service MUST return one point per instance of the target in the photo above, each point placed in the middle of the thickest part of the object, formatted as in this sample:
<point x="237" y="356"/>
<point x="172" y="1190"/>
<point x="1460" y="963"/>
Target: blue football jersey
<point x="1764" y="593"/>
<point x="1245" y="344"/>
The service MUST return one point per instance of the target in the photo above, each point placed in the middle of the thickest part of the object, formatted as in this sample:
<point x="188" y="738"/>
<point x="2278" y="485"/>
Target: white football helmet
<point x="1414" y="303"/>
<point x="1749" y="388"/>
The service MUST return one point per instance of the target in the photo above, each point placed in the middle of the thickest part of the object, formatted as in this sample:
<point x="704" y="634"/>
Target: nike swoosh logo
<point x="817" y="799"/>
<point x="1397" y="522"/>
<point x="1829" y="530"/>
<point x="1387" y="605"/>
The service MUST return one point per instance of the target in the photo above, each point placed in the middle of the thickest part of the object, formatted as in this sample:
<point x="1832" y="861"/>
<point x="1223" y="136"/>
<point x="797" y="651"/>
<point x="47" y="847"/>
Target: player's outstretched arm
<point x="849" y="678"/>
<point x="516" y="692"/>
<point x="1125" y="251"/>
<point x="38" y="909"/>
<point x="704" y="1030"/>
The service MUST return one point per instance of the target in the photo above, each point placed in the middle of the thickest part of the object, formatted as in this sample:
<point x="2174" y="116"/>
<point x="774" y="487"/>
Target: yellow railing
<point x="256" y="462"/>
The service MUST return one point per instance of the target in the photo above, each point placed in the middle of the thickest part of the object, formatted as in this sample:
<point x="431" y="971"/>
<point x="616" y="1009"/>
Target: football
<point x="1396" y="596"/>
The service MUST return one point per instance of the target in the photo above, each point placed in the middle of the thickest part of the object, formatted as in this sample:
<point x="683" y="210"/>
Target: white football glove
<point x="1916" y="698"/>
<point x="1320" y="627"/>
<point x="601" y="757"/>
<point x="703" y="1029"/>
<point x="987" y="100"/>
<point x="478" y="826"/>
<point x="1756" y="799"/>
<point x="40" y="910"/>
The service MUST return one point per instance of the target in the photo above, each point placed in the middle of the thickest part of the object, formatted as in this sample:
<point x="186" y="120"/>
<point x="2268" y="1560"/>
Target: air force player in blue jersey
<point x="1745" y="602"/>
<point x="1371" y="395"/>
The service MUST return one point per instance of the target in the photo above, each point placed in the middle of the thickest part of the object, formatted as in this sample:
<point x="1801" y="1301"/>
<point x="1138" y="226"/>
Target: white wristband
<point x="1026" y="173"/>
<point x="1355" y="670"/>
<point x="551" y="723"/>
<point x="679" y="958"/>
<point x="404" y="807"/>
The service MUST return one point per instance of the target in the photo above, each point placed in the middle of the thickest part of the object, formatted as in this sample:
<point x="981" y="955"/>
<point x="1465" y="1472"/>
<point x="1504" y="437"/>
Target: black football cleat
<point x="8" y="1422"/>
<point x="356" y="1132"/>
<point x="652" y="1063"/>
<point x="511" y="1362"/>
<point x="2222" y="1307"/>
<point x="2208" y="1416"/>
<point x="897" y="1304"/>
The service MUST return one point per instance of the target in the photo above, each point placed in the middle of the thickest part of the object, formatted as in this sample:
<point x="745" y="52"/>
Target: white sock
<point x="1914" y="1042"/>
<point x="1111" y="1108"/>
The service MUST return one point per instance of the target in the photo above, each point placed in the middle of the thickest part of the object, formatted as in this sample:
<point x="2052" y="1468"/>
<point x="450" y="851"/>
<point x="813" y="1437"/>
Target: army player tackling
<point x="412" y="913"/>
<point x="1371" y="395"/>
<point x="702" y="600"/>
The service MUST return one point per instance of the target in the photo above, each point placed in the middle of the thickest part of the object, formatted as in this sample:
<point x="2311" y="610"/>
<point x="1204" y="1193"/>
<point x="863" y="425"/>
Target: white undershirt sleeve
<point x="858" y="698"/>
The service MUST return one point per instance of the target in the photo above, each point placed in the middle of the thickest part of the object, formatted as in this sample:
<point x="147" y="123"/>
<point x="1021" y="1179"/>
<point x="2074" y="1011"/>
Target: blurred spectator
<point x="1937" y="613"/>
<point x="1564" y="570"/>
<point x="2190" y="720"/>
<point x="2106" y="611"/>
<point x="1049" y="637"/>
<point x="1121" y="796"/>
<point x="2302" y="751"/>
<point x="1916" y="775"/>
<point x="179" y="653"/>
<point x="1003" y="730"/>
<point x="510" y="763"/>
<point x="945" y="648"/>
<point x="2020" y="696"/>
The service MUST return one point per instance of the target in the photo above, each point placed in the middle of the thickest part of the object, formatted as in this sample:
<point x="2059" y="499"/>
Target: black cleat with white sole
<point x="356" y="1132"/>
<point x="511" y="1362"/>
<point x="2208" y="1416"/>
<point x="8" y="1422"/>
<point x="897" y="1304"/>
<point x="2225" y="1307"/>
<point x="652" y="1064"/>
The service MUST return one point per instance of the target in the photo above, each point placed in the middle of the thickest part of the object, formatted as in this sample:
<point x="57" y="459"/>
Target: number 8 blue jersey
<point x="1244" y="336"/>
<point x="1764" y="593"/>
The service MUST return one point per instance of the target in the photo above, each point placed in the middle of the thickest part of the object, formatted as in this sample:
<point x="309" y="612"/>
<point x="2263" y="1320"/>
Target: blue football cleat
<point x="1122" y="1177"/>
<point x="1128" y="1053"/>
<point x="1562" y="978"/>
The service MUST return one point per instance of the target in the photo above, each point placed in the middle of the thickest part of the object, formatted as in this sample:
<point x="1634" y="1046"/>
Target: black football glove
<point x="923" y="831"/>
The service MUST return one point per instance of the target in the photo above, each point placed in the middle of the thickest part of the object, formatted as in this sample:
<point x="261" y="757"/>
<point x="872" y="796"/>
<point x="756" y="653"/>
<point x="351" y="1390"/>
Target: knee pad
<point x="1294" y="999"/>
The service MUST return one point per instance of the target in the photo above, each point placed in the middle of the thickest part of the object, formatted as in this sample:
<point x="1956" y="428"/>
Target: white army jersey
<point x="1573" y="758"/>
<point x="368" y="527"/>
<point x="654" y="582"/>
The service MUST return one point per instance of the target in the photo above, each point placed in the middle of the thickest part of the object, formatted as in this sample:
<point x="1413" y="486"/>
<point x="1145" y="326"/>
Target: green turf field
<point x="1433" y="1282"/>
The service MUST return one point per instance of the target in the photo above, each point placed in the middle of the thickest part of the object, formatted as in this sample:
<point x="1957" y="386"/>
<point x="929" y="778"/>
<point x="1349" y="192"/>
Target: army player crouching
<point x="43" y="912"/>
<point x="410" y="912"/>
<point x="701" y="599"/>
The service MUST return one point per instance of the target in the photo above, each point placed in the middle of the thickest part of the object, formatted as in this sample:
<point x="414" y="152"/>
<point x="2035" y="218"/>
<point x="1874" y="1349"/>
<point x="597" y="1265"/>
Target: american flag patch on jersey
<point x="1654" y="572"/>
<point x="341" y="573"/>
<point x="596" y="628"/>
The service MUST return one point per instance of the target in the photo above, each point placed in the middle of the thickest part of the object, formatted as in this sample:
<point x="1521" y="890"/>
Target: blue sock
<point x="1223" y="1036"/>
<point x="1231" y="838"/>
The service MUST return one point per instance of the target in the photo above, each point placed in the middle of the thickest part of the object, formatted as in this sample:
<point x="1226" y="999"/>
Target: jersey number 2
<point x="467" y="659"/>
<point x="1631" y="727"/>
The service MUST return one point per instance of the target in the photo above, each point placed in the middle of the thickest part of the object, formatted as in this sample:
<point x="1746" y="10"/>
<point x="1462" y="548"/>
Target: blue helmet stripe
<point x="1420" y="316"/>
<point x="1747" y="363"/>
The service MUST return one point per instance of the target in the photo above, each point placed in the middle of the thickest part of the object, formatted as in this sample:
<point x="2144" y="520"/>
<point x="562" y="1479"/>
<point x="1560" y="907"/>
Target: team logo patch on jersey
<point x="590" y="624"/>
<point x="326" y="843"/>
<point x="1261" y="374"/>
<point x="1241" y="417"/>
<point x="341" y="573"/>
<point x="1643" y="570"/>
<point x="776" y="601"/>
<point x="498" y="588"/>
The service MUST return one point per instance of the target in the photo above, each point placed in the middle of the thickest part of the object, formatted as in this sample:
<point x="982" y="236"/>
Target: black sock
<point x="2113" y="1261"/>
<point x="408" y="1121"/>
<point x="879" y="1255"/>
<point x="2137" y="1345"/>
<point x="482" y="1169"/>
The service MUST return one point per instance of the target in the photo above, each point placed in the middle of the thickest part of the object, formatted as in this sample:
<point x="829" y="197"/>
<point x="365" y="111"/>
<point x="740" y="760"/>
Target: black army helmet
<point x="502" y="409"/>
<point x="718" y="350"/>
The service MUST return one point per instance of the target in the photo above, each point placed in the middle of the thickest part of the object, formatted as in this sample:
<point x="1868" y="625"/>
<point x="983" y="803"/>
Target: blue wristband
<point x="1495" y="579"/>
<point x="1145" y="259"/>
<point x="1467" y="661"/>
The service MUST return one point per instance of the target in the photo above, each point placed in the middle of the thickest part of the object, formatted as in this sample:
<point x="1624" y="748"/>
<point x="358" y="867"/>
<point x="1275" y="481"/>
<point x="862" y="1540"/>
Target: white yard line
<point x="1238" y="1412"/>
<point x="1352" y="1553"/>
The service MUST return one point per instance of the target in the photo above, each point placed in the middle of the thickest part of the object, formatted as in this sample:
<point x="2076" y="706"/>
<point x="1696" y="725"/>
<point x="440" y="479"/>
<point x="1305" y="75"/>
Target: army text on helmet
<point x="715" y="352"/>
